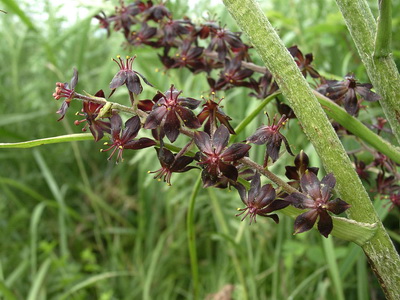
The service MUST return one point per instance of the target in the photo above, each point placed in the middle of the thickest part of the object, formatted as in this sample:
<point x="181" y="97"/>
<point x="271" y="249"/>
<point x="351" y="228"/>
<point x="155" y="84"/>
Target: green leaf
<point x="14" y="8"/>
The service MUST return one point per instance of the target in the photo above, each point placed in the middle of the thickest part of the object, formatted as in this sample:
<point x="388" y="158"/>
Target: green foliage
<point x="75" y="226"/>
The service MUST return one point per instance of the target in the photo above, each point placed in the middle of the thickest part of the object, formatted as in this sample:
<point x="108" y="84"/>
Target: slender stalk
<point x="381" y="70"/>
<point x="191" y="235"/>
<point x="383" y="257"/>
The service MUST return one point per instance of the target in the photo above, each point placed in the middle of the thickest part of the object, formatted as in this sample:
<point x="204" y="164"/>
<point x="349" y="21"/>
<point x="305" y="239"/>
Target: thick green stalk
<point x="380" y="250"/>
<point x="383" y="40"/>
<point x="381" y="70"/>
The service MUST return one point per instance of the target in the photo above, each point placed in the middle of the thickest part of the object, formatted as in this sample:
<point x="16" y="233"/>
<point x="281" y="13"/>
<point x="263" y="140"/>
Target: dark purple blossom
<point x="142" y="36"/>
<point x="67" y="91"/>
<point x="270" y="135"/>
<point x="259" y="200"/>
<point x="91" y="111"/>
<point x="346" y="92"/>
<point x="264" y="87"/>
<point x="170" y="111"/>
<point x="232" y="75"/>
<point x="126" y="75"/>
<point x="222" y="40"/>
<point x="171" y="163"/>
<point x="122" y="139"/>
<point x="301" y="165"/>
<point x="303" y="62"/>
<point x="212" y="112"/>
<point x="215" y="158"/>
<point x="316" y="198"/>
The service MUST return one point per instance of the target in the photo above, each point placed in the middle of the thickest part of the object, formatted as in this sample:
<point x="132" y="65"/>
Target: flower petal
<point x="203" y="142"/>
<point x="310" y="184"/>
<point x="171" y="126"/>
<point x="338" y="206"/>
<point x="305" y="221"/>
<point x="235" y="152"/>
<point x="155" y="117"/>
<point x="325" y="224"/>
<point x="139" y="144"/>
<point x="221" y="138"/>
<point x="188" y="117"/>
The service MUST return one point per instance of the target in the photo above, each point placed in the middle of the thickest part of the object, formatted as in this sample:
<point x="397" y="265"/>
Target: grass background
<point x="75" y="226"/>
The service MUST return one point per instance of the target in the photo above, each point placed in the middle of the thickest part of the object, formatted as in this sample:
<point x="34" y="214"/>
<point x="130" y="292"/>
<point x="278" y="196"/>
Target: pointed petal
<point x="325" y="224"/>
<point x="139" y="144"/>
<point x="338" y="206"/>
<point x="116" y="125"/>
<point x="155" y="117"/>
<point x="171" y="126"/>
<point x="235" y="152"/>
<point x="254" y="187"/>
<point x="310" y="184"/>
<point x="188" y="117"/>
<point x="131" y="130"/>
<point x="229" y="171"/>
<point x="327" y="184"/>
<point x="203" y="142"/>
<point x="221" y="138"/>
<point x="118" y="80"/>
<point x="305" y="221"/>
<point x="133" y="83"/>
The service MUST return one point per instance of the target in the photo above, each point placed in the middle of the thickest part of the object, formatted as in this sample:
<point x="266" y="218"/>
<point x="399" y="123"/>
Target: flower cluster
<point x="211" y="49"/>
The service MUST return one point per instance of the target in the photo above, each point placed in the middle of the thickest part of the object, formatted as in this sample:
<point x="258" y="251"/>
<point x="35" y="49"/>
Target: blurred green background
<point x="76" y="226"/>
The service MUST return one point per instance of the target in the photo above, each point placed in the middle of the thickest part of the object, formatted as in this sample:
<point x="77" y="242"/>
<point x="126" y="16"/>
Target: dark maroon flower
<point x="270" y="135"/>
<point x="142" y="36"/>
<point x="170" y="110"/>
<point x="304" y="63"/>
<point x="264" y="87"/>
<point x="122" y="139"/>
<point x="90" y="111"/>
<point x="316" y="197"/>
<point x="233" y="75"/>
<point x="301" y="163"/>
<point x="204" y="30"/>
<point x="215" y="158"/>
<point x="171" y="163"/>
<point x="212" y="112"/>
<point x="346" y="92"/>
<point x="259" y="200"/>
<point x="190" y="57"/>
<point x="128" y="76"/>
<point x="174" y="28"/>
<point x="156" y="12"/>
<point x="221" y="41"/>
<point x="67" y="91"/>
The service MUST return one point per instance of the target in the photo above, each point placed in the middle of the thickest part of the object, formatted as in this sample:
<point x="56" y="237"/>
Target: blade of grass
<point x="191" y="236"/>
<point x="13" y="7"/>
<point x="330" y="256"/>
<point x="6" y="292"/>
<point x="92" y="280"/>
<point x="39" y="281"/>
<point x="58" y="196"/>
<point x="37" y="213"/>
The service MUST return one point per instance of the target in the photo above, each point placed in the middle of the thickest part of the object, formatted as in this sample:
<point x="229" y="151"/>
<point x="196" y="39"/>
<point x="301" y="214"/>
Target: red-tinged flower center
<point x="62" y="91"/>
<point x="118" y="144"/>
<point x="127" y="65"/>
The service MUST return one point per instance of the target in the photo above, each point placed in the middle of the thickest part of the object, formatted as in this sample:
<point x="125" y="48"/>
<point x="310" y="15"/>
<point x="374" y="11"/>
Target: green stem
<point x="242" y="125"/>
<point x="382" y="71"/>
<point x="191" y="235"/>
<point x="50" y="140"/>
<point x="383" y="39"/>
<point x="380" y="250"/>
<point x="357" y="128"/>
